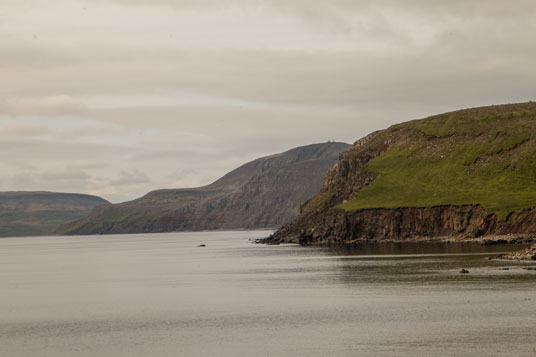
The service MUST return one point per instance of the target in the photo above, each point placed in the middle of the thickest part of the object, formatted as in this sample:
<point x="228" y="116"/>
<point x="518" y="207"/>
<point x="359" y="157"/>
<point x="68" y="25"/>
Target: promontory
<point x="464" y="174"/>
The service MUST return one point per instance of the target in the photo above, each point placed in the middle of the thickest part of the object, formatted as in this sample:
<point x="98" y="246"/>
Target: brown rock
<point x="525" y="254"/>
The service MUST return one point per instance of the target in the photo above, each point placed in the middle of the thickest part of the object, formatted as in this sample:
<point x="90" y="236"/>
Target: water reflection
<point x="428" y="264"/>
<point x="162" y="295"/>
<point x="419" y="248"/>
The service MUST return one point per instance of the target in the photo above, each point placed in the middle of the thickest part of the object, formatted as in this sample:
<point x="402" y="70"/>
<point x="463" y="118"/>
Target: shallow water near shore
<point x="162" y="295"/>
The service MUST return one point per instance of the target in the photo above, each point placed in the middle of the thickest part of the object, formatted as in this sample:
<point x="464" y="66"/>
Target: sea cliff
<point x="464" y="174"/>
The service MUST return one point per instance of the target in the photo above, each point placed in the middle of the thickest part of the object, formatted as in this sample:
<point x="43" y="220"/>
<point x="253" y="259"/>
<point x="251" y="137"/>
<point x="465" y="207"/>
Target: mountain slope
<point x="466" y="173"/>
<point x="34" y="213"/>
<point x="263" y="193"/>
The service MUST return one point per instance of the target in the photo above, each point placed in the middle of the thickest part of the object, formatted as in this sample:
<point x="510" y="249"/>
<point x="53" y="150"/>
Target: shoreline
<point x="484" y="240"/>
<point x="528" y="254"/>
<point x="524" y="255"/>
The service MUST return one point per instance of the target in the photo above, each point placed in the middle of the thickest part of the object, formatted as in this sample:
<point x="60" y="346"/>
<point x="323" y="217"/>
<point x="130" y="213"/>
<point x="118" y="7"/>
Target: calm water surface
<point x="161" y="295"/>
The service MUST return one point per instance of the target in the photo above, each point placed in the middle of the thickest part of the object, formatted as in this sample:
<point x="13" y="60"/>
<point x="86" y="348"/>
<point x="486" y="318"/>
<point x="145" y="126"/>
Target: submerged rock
<point x="464" y="271"/>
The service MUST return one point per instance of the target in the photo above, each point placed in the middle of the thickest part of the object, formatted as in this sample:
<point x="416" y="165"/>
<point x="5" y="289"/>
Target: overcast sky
<point x="120" y="97"/>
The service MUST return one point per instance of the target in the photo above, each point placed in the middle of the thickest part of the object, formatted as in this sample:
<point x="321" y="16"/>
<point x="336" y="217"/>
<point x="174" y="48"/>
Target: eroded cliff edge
<point x="469" y="173"/>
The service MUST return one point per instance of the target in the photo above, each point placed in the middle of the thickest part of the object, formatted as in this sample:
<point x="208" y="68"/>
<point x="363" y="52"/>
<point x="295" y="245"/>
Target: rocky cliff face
<point x="405" y="224"/>
<point x="264" y="193"/>
<point x="463" y="174"/>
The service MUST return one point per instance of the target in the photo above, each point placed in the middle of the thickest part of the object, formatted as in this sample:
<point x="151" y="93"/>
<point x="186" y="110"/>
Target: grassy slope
<point x="35" y="223"/>
<point x="468" y="157"/>
<point x="38" y="213"/>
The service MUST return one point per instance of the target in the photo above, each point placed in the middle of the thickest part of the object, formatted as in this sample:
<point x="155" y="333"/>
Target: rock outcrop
<point x="525" y="254"/>
<point x="405" y="224"/>
<point x="463" y="174"/>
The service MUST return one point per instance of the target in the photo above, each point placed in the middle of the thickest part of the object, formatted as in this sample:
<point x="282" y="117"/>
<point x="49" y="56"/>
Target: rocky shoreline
<point x="417" y="224"/>
<point x="525" y="254"/>
<point x="528" y="254"/>
<point x="484" y="240"/>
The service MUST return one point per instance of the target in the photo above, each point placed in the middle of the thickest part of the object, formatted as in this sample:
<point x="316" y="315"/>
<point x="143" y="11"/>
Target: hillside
<point x="264" y="193"/>
<point x="35" y="213"/>
<point x="466" y="173"/>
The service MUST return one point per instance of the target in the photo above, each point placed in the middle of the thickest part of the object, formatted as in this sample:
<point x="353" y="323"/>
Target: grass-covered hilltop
<point x="466" y="173"/>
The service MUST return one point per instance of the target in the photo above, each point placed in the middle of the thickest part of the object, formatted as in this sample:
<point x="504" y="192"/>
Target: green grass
<point x="35" y="223"/>
<point x="488" y="160"/>
<point x="296" y="211"/>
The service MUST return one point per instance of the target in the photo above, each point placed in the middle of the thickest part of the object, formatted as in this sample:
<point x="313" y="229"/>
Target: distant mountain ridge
<point x="24" y="213"/>
<point x="264" y="193"/>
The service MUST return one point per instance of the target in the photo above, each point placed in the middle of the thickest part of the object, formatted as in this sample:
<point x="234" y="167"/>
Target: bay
<point x="163" y="295"/>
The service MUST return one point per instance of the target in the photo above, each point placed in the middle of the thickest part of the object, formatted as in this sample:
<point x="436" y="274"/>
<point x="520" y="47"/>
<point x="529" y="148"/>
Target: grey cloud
<point x="67" y="175"/>
<point x="42" y="151"/>
<point x="131" y="177"/>
<point x="469" y="51"/>
<point x="46" y="106"/>
<point x="456" y="6"/>
<point x="23" y="180"/>
<point x="341" y="14"/>
<point x="299" y="79"/>
<point x="24" y="130"/>
<point x="15" y="163"/>
<point x="87" y="165"/>
<point x="171" y="154"/>
<point x="216" y="83"/>
<point x="61" y="180"/>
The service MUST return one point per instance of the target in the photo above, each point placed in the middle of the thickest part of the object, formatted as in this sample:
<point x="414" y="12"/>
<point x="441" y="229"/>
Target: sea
<point x="166" y="295"/>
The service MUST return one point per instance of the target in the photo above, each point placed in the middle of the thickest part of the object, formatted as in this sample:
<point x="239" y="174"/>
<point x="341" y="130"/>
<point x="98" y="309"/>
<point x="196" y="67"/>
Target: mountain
<point x="467" y="173"/>
<point x="36" y="213"/>
<point x="264" y="193"/>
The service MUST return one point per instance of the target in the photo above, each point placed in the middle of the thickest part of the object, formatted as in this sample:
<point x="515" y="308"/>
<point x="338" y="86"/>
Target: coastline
<point x="484" y="240"/>
<point x="528" y="254"/>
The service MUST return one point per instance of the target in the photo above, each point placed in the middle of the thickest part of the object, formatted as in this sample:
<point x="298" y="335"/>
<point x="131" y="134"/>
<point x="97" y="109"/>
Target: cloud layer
<point x="117" y="97"/>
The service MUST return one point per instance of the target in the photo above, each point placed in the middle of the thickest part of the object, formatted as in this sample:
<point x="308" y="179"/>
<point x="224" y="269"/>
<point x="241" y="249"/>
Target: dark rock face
<point x="410" y="223"/>
<point x="264" y="193"/>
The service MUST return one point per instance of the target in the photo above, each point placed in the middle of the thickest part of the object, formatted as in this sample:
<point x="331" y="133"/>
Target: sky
<point x="120" y="97"/>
